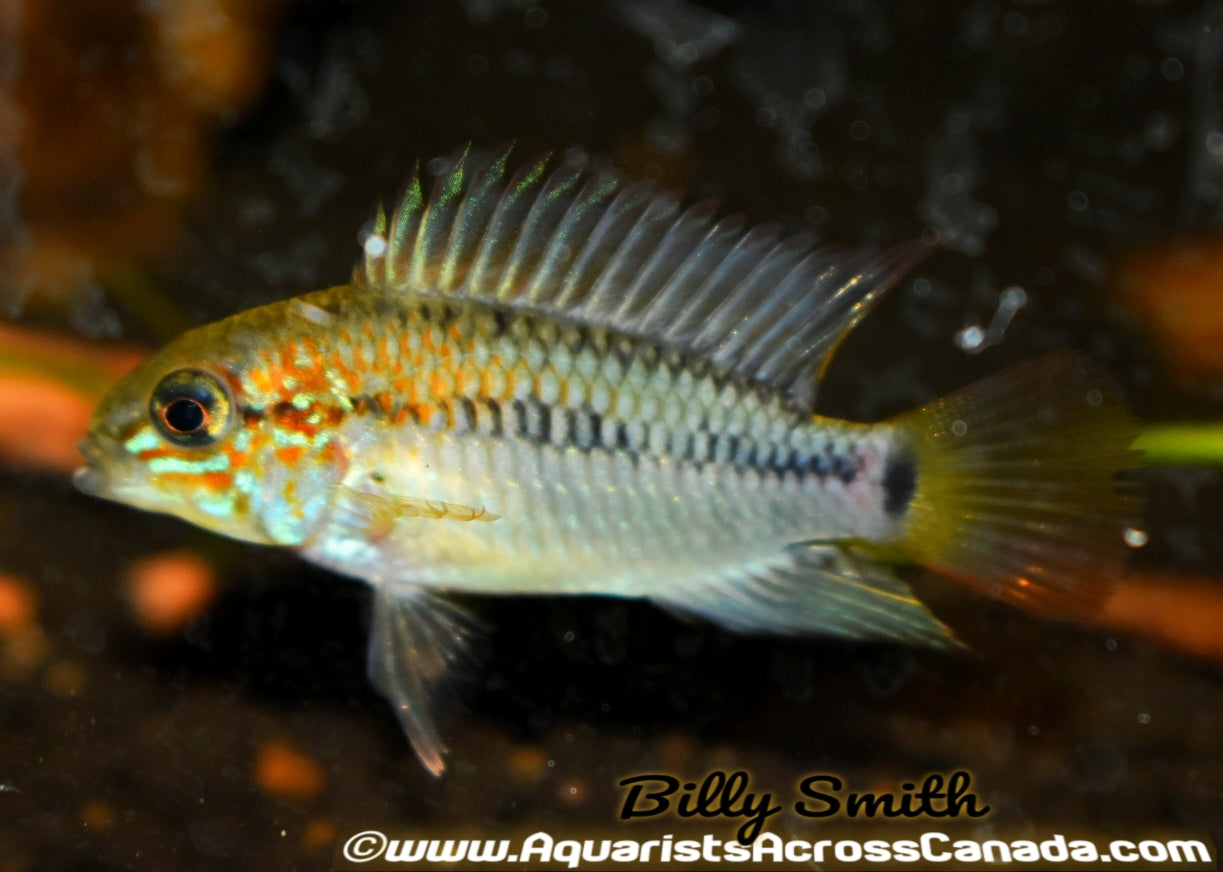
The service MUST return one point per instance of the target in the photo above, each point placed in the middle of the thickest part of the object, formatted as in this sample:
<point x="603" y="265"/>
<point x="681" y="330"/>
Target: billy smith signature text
<point x="727" y="795"/>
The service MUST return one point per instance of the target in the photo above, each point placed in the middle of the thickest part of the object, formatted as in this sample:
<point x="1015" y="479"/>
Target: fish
<point x="551" y="379"/>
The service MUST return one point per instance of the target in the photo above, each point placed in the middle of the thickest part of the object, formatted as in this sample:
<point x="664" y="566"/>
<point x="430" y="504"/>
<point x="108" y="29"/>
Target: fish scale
<point x="552" y="381"/>
<point x="661" y="393"/>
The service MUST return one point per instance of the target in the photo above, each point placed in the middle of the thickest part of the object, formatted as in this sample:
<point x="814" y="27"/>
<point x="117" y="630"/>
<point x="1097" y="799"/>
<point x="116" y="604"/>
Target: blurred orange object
<point x="1177" y="291"/>
<point x="49" y="386"/>
<point x="107" y="124"/>
<point x="282" y="770"/>
<point x="1185" y="614"/>
<point x="17" y="604"/>
<point x="167" y="590"/>
<point x="319" y="835"/>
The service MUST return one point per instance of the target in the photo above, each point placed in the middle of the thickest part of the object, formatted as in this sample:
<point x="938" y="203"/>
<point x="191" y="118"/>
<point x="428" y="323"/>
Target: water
<point x="1047" y="140"/>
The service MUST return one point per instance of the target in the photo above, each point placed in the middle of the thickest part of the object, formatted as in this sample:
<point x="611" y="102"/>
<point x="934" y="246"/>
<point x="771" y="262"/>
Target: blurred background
<point x="169" y="700"/>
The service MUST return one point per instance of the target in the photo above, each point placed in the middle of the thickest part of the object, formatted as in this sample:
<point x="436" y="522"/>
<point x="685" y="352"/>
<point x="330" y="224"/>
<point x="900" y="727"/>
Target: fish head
<point x="186" y="434"/>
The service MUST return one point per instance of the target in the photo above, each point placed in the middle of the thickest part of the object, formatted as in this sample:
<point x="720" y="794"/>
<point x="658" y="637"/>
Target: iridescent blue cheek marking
<point x="216" y="463"/>
<point x="220" y="506"/>
<point x="145" y="440"/>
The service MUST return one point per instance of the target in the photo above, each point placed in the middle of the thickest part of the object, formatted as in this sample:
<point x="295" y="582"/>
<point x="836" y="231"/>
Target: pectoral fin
<point x="376" y="513"/>
<point x="416" y="638"/>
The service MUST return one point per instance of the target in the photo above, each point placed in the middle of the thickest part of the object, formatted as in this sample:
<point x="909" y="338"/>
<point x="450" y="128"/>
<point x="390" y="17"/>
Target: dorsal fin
<point x="588" y="247"/>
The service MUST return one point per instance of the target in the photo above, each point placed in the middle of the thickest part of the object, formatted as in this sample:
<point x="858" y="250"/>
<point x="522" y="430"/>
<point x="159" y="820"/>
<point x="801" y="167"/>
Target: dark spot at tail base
<point x="899" y="482"/>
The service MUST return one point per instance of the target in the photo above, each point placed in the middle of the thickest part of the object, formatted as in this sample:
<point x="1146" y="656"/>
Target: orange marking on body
<point x="217" y="481"/>
<point x="288" y="355"/>
<point x="330" y="455"/>
<point x="486" y="382"/>
<point x="437" y="384"/>
<point x="290" y="455"/>
<point x="352" y="381"/>
<point x="237" y="459"/>
<point x="153" y="453"/>
<point x="424" y="412"/>
<point x="385" y="403"/>
<point x="455" y="333"/>
<point x="261" y="379"/>
<point x="292" y="418"/>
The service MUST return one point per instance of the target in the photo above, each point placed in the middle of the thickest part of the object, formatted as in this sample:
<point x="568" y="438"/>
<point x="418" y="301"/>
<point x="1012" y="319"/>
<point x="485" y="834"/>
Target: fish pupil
<point x="185" y="415"/>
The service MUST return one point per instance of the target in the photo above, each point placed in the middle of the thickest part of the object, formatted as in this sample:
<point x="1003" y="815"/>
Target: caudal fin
<point x="1017" y="492"/>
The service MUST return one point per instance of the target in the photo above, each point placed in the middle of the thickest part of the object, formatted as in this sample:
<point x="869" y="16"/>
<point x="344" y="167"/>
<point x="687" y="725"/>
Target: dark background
<point x="1053" y="139"/>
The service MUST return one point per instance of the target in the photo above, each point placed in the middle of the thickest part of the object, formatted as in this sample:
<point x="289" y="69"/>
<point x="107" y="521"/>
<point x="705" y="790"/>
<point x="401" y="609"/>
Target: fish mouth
<point x="90" y="478"/>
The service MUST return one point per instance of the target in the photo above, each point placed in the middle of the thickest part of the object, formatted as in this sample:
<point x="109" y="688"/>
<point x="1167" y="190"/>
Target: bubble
<point x="970" y="339"/>
<point x="375" y="245"/>
<point x="815" y="99"/>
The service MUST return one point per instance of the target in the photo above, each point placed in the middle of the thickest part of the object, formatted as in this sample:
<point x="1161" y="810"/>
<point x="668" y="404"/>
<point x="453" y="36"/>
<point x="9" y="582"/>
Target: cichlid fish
<point x="560" y="382"/>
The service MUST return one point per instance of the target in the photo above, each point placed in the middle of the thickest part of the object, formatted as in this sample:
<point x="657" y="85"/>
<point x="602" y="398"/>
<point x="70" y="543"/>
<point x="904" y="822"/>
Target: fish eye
<point x="190" y="407"/>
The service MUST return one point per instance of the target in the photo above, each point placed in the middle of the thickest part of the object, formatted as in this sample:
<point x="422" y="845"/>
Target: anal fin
<point x="416" y="638"/>
<point x="816" y="589"/>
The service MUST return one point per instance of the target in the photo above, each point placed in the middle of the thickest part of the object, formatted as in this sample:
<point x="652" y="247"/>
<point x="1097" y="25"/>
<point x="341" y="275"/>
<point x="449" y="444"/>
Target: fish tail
<point x="1013" y="486"/>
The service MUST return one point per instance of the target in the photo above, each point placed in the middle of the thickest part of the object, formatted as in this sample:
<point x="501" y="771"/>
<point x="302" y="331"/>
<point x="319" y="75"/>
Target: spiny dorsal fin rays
<point x="677" y="301"/>
<point x="405" y="223"/>
<point x="440" y="223"/>
<point x="668" y="262"/>
<point x="632" y="252"/>
<point x="711" y="303"/>
<point x="586" y="248"/>
<point x="554" y="226"/>
<point x="472" y="219"/>
<point x="506" y="219"/>
<point x="601" y="244"/>
<point x="525" y="246"/>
